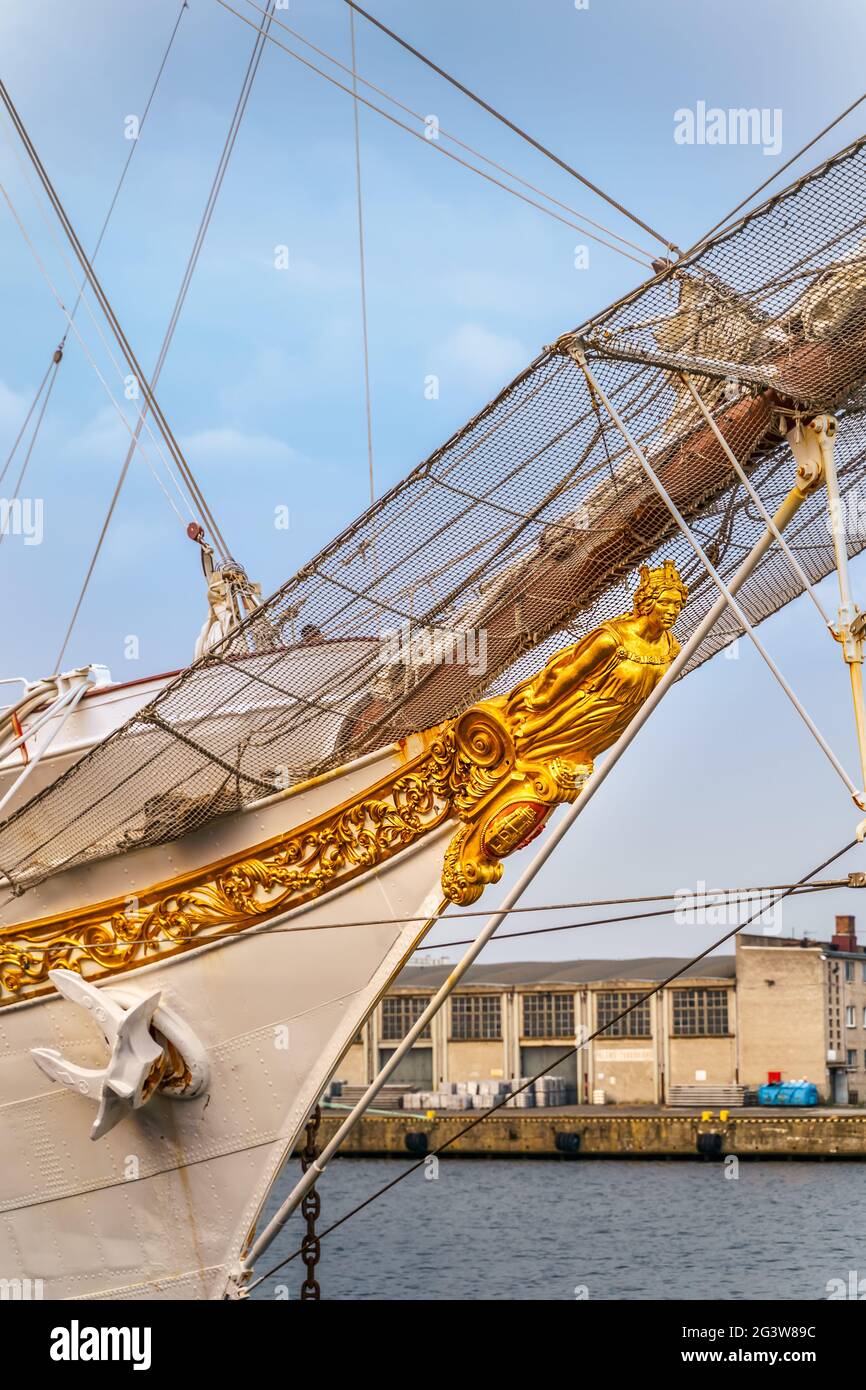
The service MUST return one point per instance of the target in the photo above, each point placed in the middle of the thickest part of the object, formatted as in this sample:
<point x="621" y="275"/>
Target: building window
<point x="700" y="1012"/>
<point x="399" y="1012"/>
<point x="864" y="972"/>
<point x="852" y="1057"/>
<point x="476" y="1016"/>
<point x="849" y="970"/>
<point x="850" y="1019"/>
<point x="548" y="1015"/>
<point x="609" y="1003"/>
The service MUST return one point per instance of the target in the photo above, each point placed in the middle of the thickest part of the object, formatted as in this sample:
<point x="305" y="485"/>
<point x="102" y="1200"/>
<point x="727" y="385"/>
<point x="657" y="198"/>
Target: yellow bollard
<point x="706" y="1115"/>
<point x="723" y="1114"/>
<point x="431" y="1115"/>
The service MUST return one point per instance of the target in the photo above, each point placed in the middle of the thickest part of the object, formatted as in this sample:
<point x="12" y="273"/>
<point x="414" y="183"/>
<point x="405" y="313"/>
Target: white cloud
<point x="104" y="438"/>
<point x="13" y="409"/>
<point x="234" y="446"/>
<point x="276" y="374"/>
<point x="483" y="291"/>
<point x="482" y="358"/>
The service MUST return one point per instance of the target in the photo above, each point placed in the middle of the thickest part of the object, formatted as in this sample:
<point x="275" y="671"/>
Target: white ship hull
<point x="164" y="1204"/>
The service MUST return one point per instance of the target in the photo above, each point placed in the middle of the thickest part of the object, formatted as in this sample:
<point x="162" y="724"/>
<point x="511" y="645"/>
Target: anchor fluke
<point x="128" y="1080"/>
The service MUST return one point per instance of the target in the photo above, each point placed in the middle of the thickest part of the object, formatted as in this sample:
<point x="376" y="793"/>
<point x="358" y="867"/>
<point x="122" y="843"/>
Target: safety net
<point x="517" y="536"/>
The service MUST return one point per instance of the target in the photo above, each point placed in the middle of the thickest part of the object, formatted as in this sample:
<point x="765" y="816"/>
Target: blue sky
<point x="264" y="382"/>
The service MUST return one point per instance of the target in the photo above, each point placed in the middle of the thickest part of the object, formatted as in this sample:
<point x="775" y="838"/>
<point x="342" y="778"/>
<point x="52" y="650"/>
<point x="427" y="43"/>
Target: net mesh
<point x="520" y="534"/>
<point x="778" y="301"/>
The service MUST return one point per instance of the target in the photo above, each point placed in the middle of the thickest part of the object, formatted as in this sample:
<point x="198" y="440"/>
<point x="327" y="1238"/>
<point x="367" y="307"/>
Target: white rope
<point x="470" y="149"/>
<point x="720" y="584"/>
<point x="111" y="318"/>
<point x="102" y="231"/>
<point x="29" y="453"/>
<point x="85" y="348"/>
<point x="66" y="705"/>
<point x="362" y="262"/>
<point x="27" y="419"/>
<point x="180" y="300"/>
<point x="765" y="515"/>
<point x="433" y="144"/>
<point x="82" y="299"/>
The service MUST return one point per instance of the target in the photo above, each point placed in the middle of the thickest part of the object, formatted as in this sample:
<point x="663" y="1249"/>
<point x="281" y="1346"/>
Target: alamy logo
<point x="22" y="516"/>
<point x="846" y="516"/>
<point x="739" y="125"/>
<point x="21" y="1290"/>
<point x="696" y="907"/>
<point x="854" y="1288"/>
<point x="77" y="1343"/>
<point x="434" y="646"/>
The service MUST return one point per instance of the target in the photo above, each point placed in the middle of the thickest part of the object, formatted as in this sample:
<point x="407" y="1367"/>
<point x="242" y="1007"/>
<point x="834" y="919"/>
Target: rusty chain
<point x="311" y="1207"/>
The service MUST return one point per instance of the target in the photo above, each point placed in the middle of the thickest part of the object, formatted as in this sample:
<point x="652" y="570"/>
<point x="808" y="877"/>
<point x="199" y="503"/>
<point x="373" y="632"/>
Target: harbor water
<point x="480" y="1229"/>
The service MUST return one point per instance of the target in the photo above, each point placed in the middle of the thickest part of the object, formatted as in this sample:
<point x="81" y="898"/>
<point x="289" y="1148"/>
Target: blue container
<point x="789" y="1093"/>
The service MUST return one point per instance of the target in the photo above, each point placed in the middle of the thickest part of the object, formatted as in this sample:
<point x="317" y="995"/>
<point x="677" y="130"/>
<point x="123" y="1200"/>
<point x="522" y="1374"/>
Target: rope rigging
<point x="27" y="418"/>
<point x="106" y="307"/>
<point x="572" y="1051"/>
<point x="53" y="369"/>
<point x="776" y="172"/>
<point x="72" y="327"/>
<point x="645" y="263"/>
<point x="470" y="149"/>
<point x="473" y="463"/>
<point x="362" y="263"/>
<point x="88" y="354"/>
<point x="479" y="101"/>
<point x="712" y="572"/>
<point x="796" y="567"/>
<point x="180" y="300"/>
<point x="686" y="902"/>
<point x="55" y="360"/>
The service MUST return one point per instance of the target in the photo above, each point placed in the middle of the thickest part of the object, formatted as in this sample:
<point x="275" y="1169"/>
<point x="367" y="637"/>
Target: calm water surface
<point x="541" y="1228"/>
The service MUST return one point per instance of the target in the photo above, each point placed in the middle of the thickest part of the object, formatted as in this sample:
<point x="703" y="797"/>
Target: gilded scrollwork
<point x="517" y="756"/>
<point x="499" y="768"/>
<point x="296" y="867"/>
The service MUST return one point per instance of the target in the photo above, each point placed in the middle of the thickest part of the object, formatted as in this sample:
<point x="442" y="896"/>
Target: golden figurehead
<point x="510" y="760"/>
<point x="500" y="768"/>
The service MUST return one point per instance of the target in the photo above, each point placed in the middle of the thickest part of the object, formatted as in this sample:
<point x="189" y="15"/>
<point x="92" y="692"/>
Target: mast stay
<point x="521" y="532"/>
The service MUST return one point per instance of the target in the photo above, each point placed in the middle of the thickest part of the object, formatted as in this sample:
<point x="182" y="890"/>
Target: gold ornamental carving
<point x="227" y="897"/>
<point x="499" y="768"/>
<point x="508" y="761"/>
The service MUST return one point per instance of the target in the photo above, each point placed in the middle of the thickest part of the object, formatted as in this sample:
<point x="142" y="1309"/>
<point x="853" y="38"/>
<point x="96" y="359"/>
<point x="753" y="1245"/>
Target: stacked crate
<point x="481" y="1095"/>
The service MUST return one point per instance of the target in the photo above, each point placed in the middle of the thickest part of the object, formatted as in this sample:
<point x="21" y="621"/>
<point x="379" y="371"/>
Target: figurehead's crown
<point x="654" y="582"/>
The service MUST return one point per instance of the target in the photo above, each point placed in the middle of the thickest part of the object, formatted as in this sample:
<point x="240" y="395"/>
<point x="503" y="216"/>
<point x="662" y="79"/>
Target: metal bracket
<point x="813" y="445"/>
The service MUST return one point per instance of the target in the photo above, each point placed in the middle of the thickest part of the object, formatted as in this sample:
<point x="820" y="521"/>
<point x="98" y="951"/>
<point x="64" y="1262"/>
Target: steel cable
<point x="483" y="1115"/>
<point x="479" y="101"/>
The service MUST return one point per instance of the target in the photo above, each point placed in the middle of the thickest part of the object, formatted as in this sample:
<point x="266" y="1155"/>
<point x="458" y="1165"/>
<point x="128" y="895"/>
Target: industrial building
<point x="793" y="1008"/>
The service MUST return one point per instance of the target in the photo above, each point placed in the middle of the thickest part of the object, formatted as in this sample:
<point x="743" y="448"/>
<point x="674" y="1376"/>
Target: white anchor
<point x="119" y="1087"/>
